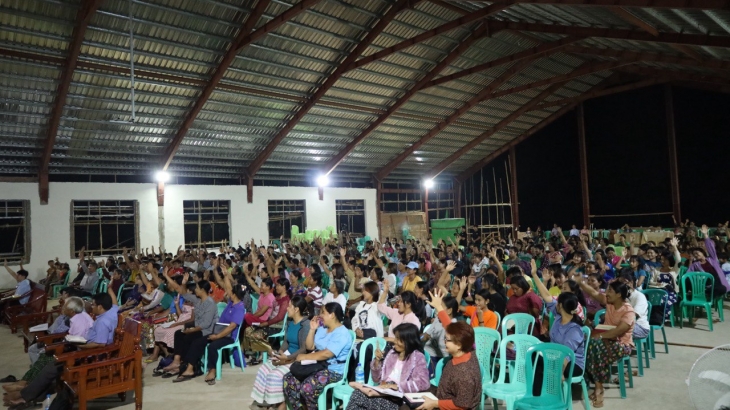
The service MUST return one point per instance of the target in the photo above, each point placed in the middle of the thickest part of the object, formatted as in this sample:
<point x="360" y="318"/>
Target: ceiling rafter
<point x="648" y="57"/>
<point x="490" y="93"/>
<point x="382" y="23"/>
<point x="444" y="28"/>
<point x="495" y="84"/>
<point x="638" y="22"/>
<point x="441" y="166"/>
<point x="83" y="17"/>
<point x="618" y="34"/>
<point x="453" y="55"/>
<point x="657" y="4"/>
<point x="541" y="50"/>
<point x="245" y="37"/>
<point x="601" y="93"/>
<point x="674" y="74"/>
<point x="463" y="176"/>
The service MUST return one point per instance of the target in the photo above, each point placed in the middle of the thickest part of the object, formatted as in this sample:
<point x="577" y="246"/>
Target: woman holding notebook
<point x="402" y="370"/>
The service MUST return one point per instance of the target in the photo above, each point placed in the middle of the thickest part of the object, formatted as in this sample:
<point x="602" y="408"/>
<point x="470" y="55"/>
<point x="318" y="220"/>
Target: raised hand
<point x="675" y="242"/>
<point x="705" y="231"/>
<point x="450" y="265"/>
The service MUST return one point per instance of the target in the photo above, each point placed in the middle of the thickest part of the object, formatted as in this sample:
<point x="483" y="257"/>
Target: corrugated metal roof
<point x="179" y="43"/>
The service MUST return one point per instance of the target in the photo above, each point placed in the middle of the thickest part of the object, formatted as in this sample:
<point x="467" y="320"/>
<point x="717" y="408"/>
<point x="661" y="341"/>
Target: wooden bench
<point x="26" y="322"/>
<point x="113" y="369"/>
<point x="36" y="304"/>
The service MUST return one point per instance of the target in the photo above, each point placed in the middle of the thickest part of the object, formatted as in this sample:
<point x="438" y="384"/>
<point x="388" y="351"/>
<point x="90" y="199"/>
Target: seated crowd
<point x="323" y="300"/>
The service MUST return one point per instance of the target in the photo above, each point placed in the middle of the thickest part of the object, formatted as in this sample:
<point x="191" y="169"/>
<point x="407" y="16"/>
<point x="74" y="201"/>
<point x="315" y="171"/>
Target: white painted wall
<point x="50" y="225"/>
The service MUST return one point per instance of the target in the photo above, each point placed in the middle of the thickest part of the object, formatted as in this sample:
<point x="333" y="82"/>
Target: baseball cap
<point x="412" y="265"/>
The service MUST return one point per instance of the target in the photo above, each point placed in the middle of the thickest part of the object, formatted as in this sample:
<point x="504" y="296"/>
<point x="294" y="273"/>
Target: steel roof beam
<point x="677" y="75"/>
<point x="465" y="45"/>
<point x="258" y="162"/>
<point x="534" y="52"/>
<point x="83" y="17"/>
<point x="461" y="21"/>
<point x="244" y="38"/>
<point x="498" y="82"/>
<point x="463" y="176"/>
<point x="657" y="4"/>
<point x="435" y="171"/>
<point x="600" y="93"/>
<point x="648" y="56"/>
<point x="618" y="34"/>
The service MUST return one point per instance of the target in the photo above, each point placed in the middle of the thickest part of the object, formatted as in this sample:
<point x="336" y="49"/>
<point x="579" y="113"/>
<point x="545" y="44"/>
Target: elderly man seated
<point x="100" y="334"/>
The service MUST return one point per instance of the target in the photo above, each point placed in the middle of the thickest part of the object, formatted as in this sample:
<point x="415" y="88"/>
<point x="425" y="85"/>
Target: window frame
<point x="343" y="202"/>
<point x="282" y="202"/>
<point x="200" y="214"/>
<point x="24" y="258"/>
<point x="102" y="251"/>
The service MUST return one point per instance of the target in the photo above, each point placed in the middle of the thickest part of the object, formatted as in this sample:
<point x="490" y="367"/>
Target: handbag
<point x="302" y="371"/>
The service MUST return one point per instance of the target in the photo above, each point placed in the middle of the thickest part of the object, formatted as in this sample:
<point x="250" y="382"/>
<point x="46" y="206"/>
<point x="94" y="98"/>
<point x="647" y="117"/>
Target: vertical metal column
<point x="456" y="184"/>
<point x="672" y="144"/>
<point x="425" y="207"/>
<point x="378" y="209"/>
<point x="513" y="192"/>
<point x="583" y="165"/>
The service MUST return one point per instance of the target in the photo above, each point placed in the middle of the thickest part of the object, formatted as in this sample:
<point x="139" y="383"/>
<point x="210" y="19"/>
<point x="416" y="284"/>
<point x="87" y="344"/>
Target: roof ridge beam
<point x="603" y="92"/>
<point x="382" y="23"/>
<point x="485" y="135"/>
<point x="244" y="38"/>
<point x="444" y="28"/>
<point x="648" y="56"/>
<point x="83" y="17"/>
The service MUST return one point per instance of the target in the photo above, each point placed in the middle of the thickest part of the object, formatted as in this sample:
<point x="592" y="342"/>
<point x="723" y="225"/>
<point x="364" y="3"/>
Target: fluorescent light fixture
<point x="323" y="180"/>
<point x="428" y="183"/>
<point x="162" y="176"/>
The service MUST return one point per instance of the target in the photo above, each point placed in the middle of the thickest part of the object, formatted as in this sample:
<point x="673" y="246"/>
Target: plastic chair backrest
<point x="586" y="339"/>
<point x="657" y="297"/>
<point x="486" y="341"/>
<point x="254" y="302"/>
<point x="499" y="319"/>
<point x="553" y="357"/>
<point x="221" y="308"/>
<point x="349" y="355"/>
<point x="437" y="373"/>
<point x="599" y="315"/>
<point x="521" y="344"/>
<point x="363" y="348"/>
<point x="236" y="332"/>
<point x="697" y="282"/>
<point x="366" y="239"/>
<point x="523" y="323"/>
<point x="294" y="231"/>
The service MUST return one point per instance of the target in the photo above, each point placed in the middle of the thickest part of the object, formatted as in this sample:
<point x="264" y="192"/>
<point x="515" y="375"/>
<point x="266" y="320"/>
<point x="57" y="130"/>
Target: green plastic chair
<point x="221" y="308"/>
<point x="553" y="395"/>
<point x="486" y="341"/>
<point x="580" y="379"/>
<point x="254" y="302"/>
<point x="294" y="231"/>
<point x="343" y="392"/>
<point x="513" y="390"/>
<point x="322" y="399"/>
<point x="622" y="362"/>
<point x="523" y="323"/>
<point x="439" y="370"/>
<point x="643" y="348"/>
<point x="281" y="335"/>
<point x="658" y="297"/>
<point x="57" y="287"/>
<point x="697" y="282"/>
<point x="233" y="348"/>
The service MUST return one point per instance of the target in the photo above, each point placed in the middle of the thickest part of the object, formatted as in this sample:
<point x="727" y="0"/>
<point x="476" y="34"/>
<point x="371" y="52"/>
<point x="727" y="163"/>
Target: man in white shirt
<point x="574" y="231"/>
<point x="479" y="263"/>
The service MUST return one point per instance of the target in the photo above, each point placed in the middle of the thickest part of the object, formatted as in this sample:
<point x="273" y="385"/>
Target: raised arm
<point x="541" y="288"/>
<point x="10" y="271"/>
<point x="709" y="243"/>
<point x="677" y="255"/>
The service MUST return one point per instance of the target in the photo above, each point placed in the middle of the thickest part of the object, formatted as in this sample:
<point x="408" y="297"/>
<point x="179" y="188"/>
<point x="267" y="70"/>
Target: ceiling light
<point x="162" y="176"/>
<point x="323" y="180"/>
<point x="428" y="183"/>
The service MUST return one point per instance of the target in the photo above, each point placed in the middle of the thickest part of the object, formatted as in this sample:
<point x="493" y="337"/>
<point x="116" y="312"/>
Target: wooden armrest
<point x="31" y="319"/>
<point x="71" y="357"/>
<point x="84" y="368"/>
<point x="55" y="348"/>
<point x="51" y="339"/>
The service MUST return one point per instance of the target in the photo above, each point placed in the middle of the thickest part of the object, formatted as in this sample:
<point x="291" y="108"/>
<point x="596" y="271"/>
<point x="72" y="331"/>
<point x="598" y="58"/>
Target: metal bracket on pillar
<point x="160" y="194"/>
<point x="320" y="191"/>
<point x="249" y="188"/>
